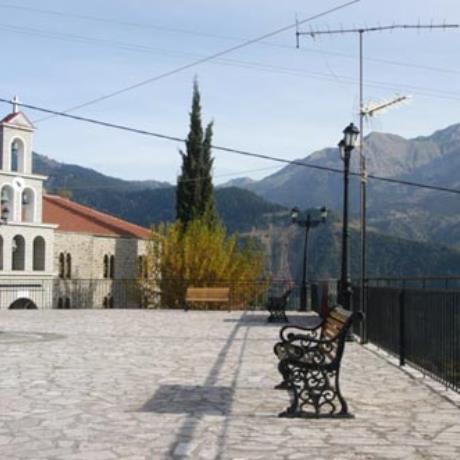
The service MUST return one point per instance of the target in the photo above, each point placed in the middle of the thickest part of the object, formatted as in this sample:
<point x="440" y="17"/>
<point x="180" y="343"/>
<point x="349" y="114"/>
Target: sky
<point x="269" y="97"/>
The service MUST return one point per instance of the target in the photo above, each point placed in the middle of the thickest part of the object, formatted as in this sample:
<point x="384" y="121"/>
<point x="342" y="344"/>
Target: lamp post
<point x="346" y="145"/>
<point x="307" y="222"/>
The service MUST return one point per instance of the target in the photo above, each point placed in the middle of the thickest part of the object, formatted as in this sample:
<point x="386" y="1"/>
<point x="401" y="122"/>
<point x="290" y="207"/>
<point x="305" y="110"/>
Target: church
<point x="55" y="253"/>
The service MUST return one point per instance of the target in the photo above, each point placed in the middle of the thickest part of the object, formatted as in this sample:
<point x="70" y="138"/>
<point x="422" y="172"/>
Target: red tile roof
<point x="9" y="118"/>
<point x="74" y="217"/>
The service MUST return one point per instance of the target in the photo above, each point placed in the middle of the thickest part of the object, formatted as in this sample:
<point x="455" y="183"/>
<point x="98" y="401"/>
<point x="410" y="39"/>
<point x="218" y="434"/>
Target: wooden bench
<point x="276" y="306"/>
<point x="309" y="362"/>
<point x="220" y="295"/>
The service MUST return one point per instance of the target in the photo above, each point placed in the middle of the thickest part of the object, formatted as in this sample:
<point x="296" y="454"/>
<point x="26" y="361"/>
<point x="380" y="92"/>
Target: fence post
<point x="364" y="303"/>
<point x="402" y="329"/>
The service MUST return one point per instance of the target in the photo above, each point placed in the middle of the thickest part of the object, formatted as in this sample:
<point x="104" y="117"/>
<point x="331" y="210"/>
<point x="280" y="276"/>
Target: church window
<point x="112" y="267"/>
<point x="68" y="266"/>
<point x="142" y="267"/>
<point x="106" y="266"/>
<point x="18" y="253"/>
<point x="61" y="265"/>
<point x="39" y="254"/>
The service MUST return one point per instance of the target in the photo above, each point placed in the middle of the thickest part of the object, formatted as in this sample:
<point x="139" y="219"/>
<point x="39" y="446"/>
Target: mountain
<point x="400" y="210"/>
<point x="240" y="210"/>
<point x="262" y="211"/>
<point x="387" y="256"/>
<point x="74" y="177"/>
<point x="241" y="182"/>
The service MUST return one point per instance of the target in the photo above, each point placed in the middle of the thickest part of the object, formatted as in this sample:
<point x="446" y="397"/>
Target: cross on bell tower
<point x="15" y="101"/>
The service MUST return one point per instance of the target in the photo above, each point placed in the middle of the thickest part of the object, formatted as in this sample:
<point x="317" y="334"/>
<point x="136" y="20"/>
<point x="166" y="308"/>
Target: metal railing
<point x="419" y="326"/>
<point x="69" y="293"/>
<point x="138" y="293"/>
<point x="417" y="282"/>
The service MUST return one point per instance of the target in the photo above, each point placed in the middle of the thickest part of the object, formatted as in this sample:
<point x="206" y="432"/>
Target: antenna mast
<point x="363" y="113"/>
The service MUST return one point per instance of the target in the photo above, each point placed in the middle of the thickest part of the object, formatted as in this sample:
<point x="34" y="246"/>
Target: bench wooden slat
<point x="208" y="294"/>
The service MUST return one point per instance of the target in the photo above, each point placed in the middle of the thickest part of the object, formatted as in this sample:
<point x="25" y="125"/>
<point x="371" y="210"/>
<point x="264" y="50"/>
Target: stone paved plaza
<point x="124" y="384"/>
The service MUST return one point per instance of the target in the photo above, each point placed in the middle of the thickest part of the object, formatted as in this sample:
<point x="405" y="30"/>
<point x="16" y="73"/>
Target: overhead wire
<point x="233" y="150"/>
<point x="219" y="36"/>
<point x="254" y="65"/>
<point x="208" y="58"/>
<point x="331" y="76"/>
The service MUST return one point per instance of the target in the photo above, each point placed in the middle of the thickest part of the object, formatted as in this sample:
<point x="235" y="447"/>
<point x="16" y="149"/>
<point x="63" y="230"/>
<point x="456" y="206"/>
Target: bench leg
<point x="284" y="385"/>
<point x="277" y="316"/>
<point x="313" y="392"/>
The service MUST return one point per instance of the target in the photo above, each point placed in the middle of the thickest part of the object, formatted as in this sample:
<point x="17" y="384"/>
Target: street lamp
<point x="308" y="222"/>
<point x="346" y="145"/>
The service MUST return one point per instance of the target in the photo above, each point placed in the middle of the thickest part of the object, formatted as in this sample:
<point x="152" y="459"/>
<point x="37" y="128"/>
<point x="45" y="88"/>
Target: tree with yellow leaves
<point x="201" y="255"/>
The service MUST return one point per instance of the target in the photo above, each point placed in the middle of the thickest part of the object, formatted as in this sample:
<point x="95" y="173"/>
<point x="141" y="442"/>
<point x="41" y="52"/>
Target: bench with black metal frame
<point x="276" y="306"/>
<point x="310" y="359"/>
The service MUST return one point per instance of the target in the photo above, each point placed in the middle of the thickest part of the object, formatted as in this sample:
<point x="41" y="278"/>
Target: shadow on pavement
<point x="190" y="399"/>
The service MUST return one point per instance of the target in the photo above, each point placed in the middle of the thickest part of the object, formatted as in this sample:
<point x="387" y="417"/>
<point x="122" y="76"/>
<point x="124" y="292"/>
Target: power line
<point x="254" y="65"/>
<point x="232" y="150"/>
<point x="207" y="58"/>
<point x="204" y="34"/>
<point x="121" y="23"/>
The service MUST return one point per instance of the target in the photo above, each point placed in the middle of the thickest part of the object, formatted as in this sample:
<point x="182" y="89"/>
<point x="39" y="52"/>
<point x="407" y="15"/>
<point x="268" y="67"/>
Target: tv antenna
<point x="361" y="31"/>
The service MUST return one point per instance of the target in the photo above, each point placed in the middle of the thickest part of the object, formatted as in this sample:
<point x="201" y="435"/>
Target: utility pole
<point x="362" y="113"/>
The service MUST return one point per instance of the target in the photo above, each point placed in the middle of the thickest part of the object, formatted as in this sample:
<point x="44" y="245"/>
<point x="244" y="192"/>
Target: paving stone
<point x="137" y="385"/>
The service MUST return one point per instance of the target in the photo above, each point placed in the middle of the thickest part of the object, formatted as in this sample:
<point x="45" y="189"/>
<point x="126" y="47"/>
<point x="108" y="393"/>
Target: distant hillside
<point x="242" y="182"/>
<point x="419" y="215"/>
<point x="74" y="177"/>
<point x="239" y="209"/>
<point x="387" y="256"/>
<point x="400" y="210"/>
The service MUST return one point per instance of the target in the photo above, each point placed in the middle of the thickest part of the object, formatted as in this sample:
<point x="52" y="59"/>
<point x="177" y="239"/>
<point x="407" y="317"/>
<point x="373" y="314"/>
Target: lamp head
<point x="323" y="212"/>
<point x="350" y="136"/>
<point x="295" y="214"/>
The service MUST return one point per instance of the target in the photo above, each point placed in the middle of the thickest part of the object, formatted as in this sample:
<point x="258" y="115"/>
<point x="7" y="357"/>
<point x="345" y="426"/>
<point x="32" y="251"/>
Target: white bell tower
<point x="26" y="244"/>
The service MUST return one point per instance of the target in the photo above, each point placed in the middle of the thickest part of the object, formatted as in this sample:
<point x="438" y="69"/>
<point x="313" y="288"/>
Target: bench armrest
<point x="313" y="351"/>
<point x="311" y="340"/>
<point x="288" y="331"/>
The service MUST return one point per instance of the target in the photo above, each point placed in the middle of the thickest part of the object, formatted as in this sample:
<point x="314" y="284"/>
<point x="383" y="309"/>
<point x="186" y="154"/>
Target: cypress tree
<point x="195" y="191"/>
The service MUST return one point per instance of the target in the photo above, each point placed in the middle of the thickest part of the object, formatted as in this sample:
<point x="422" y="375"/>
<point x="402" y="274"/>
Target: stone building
<point x="55" y="253"/>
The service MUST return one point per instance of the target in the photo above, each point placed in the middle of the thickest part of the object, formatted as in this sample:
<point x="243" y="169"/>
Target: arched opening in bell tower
<point x="17" y="155"/>
<point x="28" y="205"/>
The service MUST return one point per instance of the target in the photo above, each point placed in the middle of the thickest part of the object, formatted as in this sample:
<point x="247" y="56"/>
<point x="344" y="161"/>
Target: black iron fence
<point x="138" y="293"/>
<point x="419" y="326"/>
<point x="70" y="293"/>
<point x="417" y="282"/>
